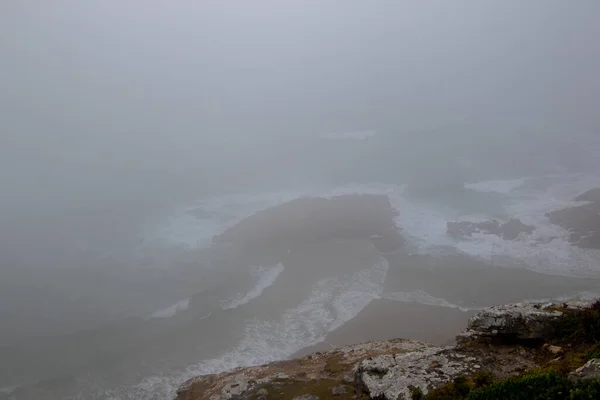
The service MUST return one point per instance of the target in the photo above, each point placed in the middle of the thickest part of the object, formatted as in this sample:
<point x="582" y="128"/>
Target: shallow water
<point x="182" y="306"/>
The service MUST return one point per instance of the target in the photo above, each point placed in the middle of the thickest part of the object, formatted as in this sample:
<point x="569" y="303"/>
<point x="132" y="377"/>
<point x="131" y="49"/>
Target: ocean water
<point x="266" y="276"/>
<point x="330" y="304"/>
<point x="259" y="331"/>
<point x="335" y="301"/>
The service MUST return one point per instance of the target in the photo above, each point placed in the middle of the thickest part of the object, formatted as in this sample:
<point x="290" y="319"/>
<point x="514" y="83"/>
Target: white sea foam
<point x="528" y="199"/>
<point x="171" y="310"/>
<point x="266" y="277"/>
<point x="332" y="303"/>
<point x="548" y="249"/>
<point x="422" y="297"/>
<point x="183" y="228"/>
<point x="335" y="301"/>
<point x="356" y="293"/>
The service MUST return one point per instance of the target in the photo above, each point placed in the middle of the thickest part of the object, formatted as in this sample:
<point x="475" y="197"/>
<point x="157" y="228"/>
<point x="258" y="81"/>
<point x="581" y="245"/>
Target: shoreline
<point x="384" y="319"/>
<point x="503" y="343"/>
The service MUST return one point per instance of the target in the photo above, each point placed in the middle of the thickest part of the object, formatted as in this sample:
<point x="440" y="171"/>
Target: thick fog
<point x="113" y="113"/>
<point x="105" y="100"/>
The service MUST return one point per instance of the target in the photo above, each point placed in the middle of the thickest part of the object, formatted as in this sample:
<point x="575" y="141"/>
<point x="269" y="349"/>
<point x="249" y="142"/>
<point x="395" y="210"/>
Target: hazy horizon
<point x="132" y="131"/>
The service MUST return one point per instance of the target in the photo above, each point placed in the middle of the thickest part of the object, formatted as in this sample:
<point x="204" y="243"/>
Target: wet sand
<point x="460" y="282"/>
<point x="316" y="240"/>
<point x="387" y="319"/>
<point x="465" y="281"/>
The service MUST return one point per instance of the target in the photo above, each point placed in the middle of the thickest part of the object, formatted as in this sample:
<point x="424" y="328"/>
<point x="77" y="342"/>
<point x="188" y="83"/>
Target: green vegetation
<point x="579" y="325"/>
<point x="416" y="393"/>
<point x="336" y="365"/>
<point x="595" y="352"/>
<point x="286" y="389"/>
<point x="540" y="386"/>
<point x="537" y="386"/>
<point x="577" y="332"/>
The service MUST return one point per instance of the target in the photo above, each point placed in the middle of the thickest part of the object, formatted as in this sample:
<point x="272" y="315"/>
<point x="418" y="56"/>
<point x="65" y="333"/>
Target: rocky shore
<point x="499" y="342"/>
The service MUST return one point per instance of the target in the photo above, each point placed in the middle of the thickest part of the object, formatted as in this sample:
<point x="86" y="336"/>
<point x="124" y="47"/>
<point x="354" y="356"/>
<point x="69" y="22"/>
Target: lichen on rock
<point x="499" y="342"/>
<point x="590" y="370"/>
<point x="526" y="321"/>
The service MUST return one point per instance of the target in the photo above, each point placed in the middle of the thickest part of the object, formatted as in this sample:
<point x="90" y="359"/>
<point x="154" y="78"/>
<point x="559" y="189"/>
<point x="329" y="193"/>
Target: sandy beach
<point x="304" y="276"/>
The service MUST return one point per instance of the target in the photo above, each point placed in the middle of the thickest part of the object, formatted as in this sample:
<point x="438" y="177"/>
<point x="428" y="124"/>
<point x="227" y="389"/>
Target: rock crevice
<point x="391" y="370"/>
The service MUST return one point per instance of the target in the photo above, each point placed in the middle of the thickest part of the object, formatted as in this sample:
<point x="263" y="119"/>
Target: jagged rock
<point x="589" y="371"/>
<point x="338" y="391"/>
<point x="262" y="393"/>
<point x="244" y="383"/>
<point x="492" y="227"/>
<point x="236" y="387"/>
<point x="307" y="397"/>
<point x="389" y="377"/>
<point x="514" y="227"/>
<point x="552" y="349"/>
<point x="516" y="322"/>
<point x="386" y="370"/>
<point x="509" y="230"/>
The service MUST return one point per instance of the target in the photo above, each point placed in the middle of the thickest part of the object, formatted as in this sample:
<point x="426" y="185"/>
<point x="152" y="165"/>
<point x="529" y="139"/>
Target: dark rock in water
<point x="592" y="195"/>
<point x="462" y="228"/>
<point x="492" y="227"/>
<point x="514" y="227"/>
<point x="583" y="222"/>
<point x="546" y="240"/>
<point x="509" y="230"/>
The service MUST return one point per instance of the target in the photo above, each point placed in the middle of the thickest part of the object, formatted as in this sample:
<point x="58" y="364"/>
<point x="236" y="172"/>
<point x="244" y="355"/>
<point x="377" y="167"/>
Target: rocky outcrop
<point x="392" y="376"/>
<point x="590" y="370"/>
<point x="583" y="222"/>
<point x="498" y="340"/>
<point x="506" y="331"/>
<point x="528" y="321"/>
<point x="321" y="372"/>
<point x="509" y="230"/>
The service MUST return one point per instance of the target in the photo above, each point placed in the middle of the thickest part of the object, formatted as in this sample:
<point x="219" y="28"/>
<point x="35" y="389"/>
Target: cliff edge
<point x="560" y="339"/>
